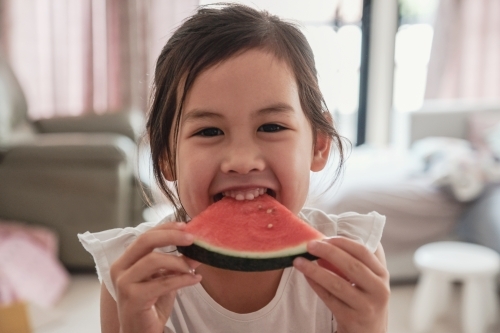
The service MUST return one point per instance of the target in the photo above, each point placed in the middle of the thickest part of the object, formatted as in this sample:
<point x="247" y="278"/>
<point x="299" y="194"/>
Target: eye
<point x="212" y="131"/>
<point x="270" y="128"/>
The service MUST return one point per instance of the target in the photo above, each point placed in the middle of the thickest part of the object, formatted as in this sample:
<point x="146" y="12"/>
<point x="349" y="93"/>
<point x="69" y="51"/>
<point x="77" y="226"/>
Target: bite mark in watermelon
<point x="249" y="235"/>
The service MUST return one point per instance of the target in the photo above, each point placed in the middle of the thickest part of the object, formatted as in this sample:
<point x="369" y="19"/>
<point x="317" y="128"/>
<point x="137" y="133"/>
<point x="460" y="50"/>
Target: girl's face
<point x="242" y="132"/>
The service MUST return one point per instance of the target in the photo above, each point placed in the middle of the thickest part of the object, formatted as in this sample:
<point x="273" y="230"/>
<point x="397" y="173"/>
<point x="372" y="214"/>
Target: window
<point x="333" y="29"/>
<point x="412" y="53"/>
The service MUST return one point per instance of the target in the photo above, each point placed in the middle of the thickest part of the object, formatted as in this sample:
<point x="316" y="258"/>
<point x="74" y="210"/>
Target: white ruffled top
<point x="195" y="311"/>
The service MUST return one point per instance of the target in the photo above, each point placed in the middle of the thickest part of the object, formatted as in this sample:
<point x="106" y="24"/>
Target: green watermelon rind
<point x="240" y="263"/>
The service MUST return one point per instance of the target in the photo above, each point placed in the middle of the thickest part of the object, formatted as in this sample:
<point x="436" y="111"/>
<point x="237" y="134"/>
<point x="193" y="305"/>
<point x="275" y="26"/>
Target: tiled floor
<point x="78" y="311"/>
<point x="400" y="308"/>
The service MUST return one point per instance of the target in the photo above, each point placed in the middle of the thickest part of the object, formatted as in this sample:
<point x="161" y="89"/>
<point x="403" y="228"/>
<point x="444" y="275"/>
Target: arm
<point x="109" y="312"/>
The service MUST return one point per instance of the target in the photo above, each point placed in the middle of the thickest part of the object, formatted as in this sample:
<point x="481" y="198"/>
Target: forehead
<point x="247" y="80"/>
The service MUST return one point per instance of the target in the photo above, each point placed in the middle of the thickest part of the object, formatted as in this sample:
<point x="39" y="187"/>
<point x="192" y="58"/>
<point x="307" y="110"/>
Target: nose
<point x="243" y="157"/>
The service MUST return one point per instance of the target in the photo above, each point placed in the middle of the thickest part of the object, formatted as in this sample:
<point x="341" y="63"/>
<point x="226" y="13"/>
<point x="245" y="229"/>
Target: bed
<point x="391" y="181"/>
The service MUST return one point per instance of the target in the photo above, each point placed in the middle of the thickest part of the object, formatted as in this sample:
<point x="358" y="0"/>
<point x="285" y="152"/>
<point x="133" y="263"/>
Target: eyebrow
<point x="198" y="114"/>
<point x="276" y="109"/>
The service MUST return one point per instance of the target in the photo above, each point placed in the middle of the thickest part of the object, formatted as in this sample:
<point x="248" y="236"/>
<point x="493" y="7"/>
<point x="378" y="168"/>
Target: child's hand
<point x="146" y="281"/>
<point x="358" y="292"/>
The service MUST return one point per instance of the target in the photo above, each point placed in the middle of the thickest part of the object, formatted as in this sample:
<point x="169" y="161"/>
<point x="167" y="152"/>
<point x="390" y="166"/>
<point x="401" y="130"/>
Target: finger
<point x="164" y="305"/>
<point x="151" y="240"/>
<point x="152" y="264"/>
<point x="329" y="283"/>
<point x="169" y="226"/>
<point x="143" y="295"/>
<point x="355" y="270"/>
<point x="360" y="252"/>
<point x="327" y="265"/>
<point x="191" y="262"/>
<point x="336" y="305"/>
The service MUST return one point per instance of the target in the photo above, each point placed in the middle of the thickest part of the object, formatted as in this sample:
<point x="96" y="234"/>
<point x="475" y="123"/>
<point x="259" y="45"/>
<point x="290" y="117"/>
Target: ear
<point x="321" y="151"/>
<point x="166" y="171"/>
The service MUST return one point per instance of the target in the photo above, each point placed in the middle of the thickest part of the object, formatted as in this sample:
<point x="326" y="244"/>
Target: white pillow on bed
<point x="453" y="165"/>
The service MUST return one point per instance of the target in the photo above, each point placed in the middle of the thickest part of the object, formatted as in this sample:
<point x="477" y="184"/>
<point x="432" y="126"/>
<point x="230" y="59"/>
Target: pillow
<point x="478" y="124"/>
<point x="452" y="165"/>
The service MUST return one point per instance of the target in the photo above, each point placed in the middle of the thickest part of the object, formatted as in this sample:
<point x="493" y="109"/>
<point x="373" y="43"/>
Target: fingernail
<point x="181" y="224"/>
<point x="299" y="261"/>
<point x="188" y="237"/>
<point x="312" y="245"/>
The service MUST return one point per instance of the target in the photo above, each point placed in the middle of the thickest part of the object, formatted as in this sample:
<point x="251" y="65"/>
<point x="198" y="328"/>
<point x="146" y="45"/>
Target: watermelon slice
<point x="249" y="235"/>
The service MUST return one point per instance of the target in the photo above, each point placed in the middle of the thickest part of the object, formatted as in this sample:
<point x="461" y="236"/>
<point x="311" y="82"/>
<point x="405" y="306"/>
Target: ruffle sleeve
<point x="107" y="246"/>
<point x="364" y="228"/>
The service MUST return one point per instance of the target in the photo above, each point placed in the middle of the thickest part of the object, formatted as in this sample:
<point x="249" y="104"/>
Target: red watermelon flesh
<point x="249" y="235"/>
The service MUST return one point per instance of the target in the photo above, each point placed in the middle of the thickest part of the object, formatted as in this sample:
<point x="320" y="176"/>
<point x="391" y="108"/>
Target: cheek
<point x="190" y="160"/>
<point x="195" y="171"/>
<point x="295" y="163"/>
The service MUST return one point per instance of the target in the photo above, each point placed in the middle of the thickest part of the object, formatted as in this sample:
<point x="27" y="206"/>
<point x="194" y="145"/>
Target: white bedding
<point x="390" y="183"/>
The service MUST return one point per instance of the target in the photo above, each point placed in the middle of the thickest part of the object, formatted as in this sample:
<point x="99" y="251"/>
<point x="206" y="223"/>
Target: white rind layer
<point x="301" y="248"/>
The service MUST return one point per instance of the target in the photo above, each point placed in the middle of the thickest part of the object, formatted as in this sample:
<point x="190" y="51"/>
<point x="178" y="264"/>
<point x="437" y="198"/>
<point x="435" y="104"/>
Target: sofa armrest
<point x="70" y="183"/>
<point x="71" y="147"/>
<point x="129" y="123"/>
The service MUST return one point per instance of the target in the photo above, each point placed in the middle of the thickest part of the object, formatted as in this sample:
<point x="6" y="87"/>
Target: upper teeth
<point x="245" y="194"/>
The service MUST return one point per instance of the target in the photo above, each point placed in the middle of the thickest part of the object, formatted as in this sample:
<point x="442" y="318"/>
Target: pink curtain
<point x="465" y="56"/>
<point x="78" y="56"/>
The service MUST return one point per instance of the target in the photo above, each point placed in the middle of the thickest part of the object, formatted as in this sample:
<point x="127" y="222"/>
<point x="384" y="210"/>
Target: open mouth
<point x="249" y="194"/>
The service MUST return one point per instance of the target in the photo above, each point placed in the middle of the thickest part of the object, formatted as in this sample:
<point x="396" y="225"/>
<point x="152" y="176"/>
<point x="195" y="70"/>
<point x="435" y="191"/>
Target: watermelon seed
<point x="269" y="211"/>
<point x="269" y="226"/>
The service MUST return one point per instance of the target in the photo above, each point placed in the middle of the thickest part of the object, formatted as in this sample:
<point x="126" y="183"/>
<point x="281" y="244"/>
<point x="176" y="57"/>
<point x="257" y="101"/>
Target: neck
<point x="240" y="292"/>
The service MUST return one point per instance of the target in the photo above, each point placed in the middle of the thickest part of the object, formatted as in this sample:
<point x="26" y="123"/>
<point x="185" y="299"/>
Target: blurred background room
<point x="413" y="86"/>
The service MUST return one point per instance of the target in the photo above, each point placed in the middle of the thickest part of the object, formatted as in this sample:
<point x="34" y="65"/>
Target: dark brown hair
<point x="212" y="35"/>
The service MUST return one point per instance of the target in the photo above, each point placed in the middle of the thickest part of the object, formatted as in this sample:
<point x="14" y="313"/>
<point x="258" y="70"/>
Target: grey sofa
<point x="71" y="174"/>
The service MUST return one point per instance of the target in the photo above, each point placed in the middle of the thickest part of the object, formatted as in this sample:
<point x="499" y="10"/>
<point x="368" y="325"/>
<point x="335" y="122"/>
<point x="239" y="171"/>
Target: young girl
<point x="237" y="111"/>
